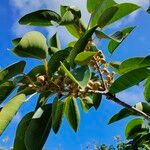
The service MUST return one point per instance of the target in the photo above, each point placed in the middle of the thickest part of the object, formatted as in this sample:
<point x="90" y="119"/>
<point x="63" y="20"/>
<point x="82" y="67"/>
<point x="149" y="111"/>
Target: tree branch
<point x="127" y="106"/>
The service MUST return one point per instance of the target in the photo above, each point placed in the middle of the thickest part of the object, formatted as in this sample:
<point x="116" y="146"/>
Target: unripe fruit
<point x="41" y="78"/>
<point x="105" y="71"/>
<point x="102" y="60"/>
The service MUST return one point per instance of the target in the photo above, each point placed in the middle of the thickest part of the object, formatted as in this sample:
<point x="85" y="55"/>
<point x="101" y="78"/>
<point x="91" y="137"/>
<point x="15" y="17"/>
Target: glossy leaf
<point x="96" y="100"/>
<point x="16" y="41"/>
<point x="113" y="45"/>
<point x="11" y="71"/>
<point x="55" y="42"/>
<point x="72" y="113"/>
<point x="124" y="10"/>
<point x="129" y="79"/>
<point x="134" y="63"/>
<point x="33" y="44"/>
<point x="144" y="107"/>
<point x="81" y="75"/>
<point x="83" y="58"/>
<point x="93" y="4"/>
<point x="115" y="37"/>
<point x="43" y="97"/>
<point x="40" y="18"/>
<point x="26" y="90"/>
<point x="9" y="110"/>
<point x="68" y="18"/>
<point x="120" y="115"/>
<point x="35" y="72"/>
<point x="135" y="127"/>
<point x="6" y="89"/>
<point x="20" y="133"/>
<point x="58" y="115"/>
<point x="148" y="10"/>
<point x="39" y="128"/>
<point x="86" y="103"/>
<point x="115" y="66"/>
<point x="54" y="62"/>
<point x="105" y="4"/>
<point x="81" y="44"/>
<point x="147" y="90"/>
<point x="106" y="16"/>
<point x="75" y="26"/>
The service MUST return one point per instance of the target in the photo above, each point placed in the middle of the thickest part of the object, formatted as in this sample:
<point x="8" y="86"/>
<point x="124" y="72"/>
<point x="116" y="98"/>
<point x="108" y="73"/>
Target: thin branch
<point x="127" y="106"/>
<point x="118" y="101"/>
<point x="100" y="73"/>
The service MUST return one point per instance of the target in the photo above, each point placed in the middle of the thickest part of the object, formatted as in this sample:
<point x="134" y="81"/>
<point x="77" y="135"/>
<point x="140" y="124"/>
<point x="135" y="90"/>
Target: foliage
<point x="80" y="72"/>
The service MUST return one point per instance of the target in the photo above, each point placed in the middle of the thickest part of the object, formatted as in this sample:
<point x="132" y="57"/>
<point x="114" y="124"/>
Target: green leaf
<point x="54" y="41"/>
<point x="81" y="44"/>
<point x="147" y="90"/>
<point x="134" y="63"/>
<point x="124" y="10"/>
<point x="73" y="9"/>
<point x="129" y="79"/>
<point x="106" y="16"/>
<point x="115" y="37"/>
<point x="72" y="43"/>
<point x="144" y="107"/>
<point x="72" y="113"/>
<point x="9" y="110"/>
<point x="113" y="45"/>
<point x="54" y="44"/>
<point x="26" y="90"/>
<point x="20" y="133"/>
<point x="80" y="75"/>
<point x="11" y="71"/>
<point x="16" y="41"/>
<point x="33" y="44"/>
<point x="34" y="73"/>
<point x="6" y="89"/>
<point x="77" y="27"/>
<point x="115" y="66"/>
<point x="68" y="18"/>
<point x="105" y="4"/>
<point x="43" y="97"/>
<point x="40" y="18"/>
<point x="97" y="100"/>
<point x="86" y="103"/>
<point x="39" y="128"/>
<point x="54" y="62"/>
<point x="120" y="115"/>
<point x="83" y="58"/>
<point x="93" y="4"/>
<point x="135" y="127"/>
<point x="148" y="10"/>
<point x="58" y="115"/>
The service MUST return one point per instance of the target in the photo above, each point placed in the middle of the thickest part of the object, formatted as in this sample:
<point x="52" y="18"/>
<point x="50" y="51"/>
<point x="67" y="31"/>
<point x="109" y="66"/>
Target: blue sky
<point x="93" y="125"/>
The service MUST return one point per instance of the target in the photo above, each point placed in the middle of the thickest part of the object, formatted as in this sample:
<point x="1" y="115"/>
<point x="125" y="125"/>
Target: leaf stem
<point x="46" y="67"/>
